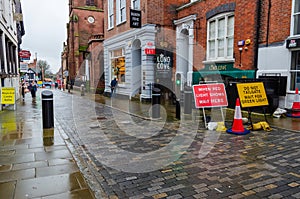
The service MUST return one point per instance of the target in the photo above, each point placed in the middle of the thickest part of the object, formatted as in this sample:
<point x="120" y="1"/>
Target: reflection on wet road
<point x="35" y="162"/>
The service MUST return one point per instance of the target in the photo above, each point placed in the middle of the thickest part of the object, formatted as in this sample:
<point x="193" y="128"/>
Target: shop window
<point x="220" y="36"/>
<point x="295" y="70"/>
<point x="117" y="60"/>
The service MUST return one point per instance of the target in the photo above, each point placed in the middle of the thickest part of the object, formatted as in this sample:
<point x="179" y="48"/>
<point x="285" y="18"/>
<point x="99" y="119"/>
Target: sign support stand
<point x="205" y="122"/>
<point x="204" y="117"/>
<point x="249" y="118"/>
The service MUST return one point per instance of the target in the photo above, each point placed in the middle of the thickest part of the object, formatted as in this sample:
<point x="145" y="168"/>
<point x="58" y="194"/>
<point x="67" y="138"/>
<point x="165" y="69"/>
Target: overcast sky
<point x="45" y="29"/>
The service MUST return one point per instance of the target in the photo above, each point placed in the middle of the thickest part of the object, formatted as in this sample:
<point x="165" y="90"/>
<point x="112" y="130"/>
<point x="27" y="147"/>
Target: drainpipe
<point x="268" y="23"/>
<point x="258" y="17"/>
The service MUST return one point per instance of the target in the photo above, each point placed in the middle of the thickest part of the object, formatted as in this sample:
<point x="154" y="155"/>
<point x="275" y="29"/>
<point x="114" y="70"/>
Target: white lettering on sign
<point x="163" y="62"/>
<point x="292" y="44"/>
<point x="210" y="95"/>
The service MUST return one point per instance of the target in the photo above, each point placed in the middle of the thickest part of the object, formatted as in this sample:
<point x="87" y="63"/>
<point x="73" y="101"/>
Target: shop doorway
<point x="136" y="67"/>
<point x="183" y="54"/>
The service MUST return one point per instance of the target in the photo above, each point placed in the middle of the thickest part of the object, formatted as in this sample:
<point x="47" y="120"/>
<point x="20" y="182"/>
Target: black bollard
<point x="178" y="109"/>
<point x="47" y="109"/>
<point x="155" y="103"/>
<point x="188" y="100"/>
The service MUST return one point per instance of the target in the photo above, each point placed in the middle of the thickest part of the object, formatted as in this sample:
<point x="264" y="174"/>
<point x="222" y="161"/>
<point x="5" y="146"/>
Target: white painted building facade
<point x="126" y="51"/>
<point x="9" y="62"/>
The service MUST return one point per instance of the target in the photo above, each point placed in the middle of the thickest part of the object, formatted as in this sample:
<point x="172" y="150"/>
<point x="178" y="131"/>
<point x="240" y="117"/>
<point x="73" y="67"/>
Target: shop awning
<point x="198" y="75"/>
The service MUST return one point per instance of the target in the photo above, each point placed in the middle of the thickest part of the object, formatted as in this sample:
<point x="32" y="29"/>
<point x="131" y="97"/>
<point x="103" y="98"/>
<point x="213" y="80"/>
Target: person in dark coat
<point x="113" y="85"/>
<point x="33" y="89"/>
<point x="23" y="87"/>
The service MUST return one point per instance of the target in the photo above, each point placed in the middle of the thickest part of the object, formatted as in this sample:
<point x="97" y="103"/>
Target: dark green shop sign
<point x="225" y="69"/>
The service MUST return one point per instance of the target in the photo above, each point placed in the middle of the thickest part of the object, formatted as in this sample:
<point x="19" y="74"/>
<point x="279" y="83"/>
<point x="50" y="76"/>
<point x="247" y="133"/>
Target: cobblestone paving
<point x="258" y="165"/>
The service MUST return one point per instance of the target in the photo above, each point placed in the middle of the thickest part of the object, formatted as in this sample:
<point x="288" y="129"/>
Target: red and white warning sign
<point x="210" y="95"/>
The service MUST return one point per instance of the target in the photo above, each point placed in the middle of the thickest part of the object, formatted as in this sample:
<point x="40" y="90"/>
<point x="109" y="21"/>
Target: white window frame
<point x="216" y="39"/>
<point x="136" y="4"/>
<point x="113" y="56"/>
<point x="121" y="11"/>
<point x="294" y="15"/>
<point x="110" y="13"/>
<point x="295" y="71"/>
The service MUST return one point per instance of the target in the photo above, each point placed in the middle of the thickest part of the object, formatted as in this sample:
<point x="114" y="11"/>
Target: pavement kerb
<point x="85" y="164"/>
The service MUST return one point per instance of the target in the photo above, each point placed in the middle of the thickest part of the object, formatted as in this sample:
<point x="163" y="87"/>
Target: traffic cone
<point x="296" y="105"/>
<point x="237" y="127"/>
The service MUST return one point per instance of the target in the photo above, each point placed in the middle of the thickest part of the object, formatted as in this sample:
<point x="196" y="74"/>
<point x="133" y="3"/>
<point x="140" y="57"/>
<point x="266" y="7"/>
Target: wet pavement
<point x="36" y="162"/>
<point x="122" y="153"/>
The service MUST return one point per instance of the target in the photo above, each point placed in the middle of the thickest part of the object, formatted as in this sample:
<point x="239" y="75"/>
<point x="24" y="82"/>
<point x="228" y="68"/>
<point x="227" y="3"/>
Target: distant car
<point x="47" y="84"/>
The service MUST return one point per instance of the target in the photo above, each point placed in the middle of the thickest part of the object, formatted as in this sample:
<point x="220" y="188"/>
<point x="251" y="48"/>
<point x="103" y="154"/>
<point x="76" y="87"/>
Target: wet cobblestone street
<point x="131" y="157"/>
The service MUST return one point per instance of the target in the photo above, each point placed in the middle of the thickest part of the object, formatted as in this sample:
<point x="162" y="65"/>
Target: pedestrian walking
<point x="33" y="89"/>
<point x="113" y="85"/>
<point x="23" y="89"/>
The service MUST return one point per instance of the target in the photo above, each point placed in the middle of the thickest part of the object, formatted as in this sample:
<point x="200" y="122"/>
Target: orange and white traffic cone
<point x="237" y="127"/>
<point x="296" y="105"/>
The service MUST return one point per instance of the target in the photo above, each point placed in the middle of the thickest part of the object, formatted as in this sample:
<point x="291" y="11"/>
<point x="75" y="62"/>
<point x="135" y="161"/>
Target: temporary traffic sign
<point x="210" y="95"/>
<point x="252" y="94"/>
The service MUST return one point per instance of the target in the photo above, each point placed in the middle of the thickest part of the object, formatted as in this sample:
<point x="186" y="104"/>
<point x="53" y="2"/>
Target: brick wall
<point x="80" y="31"/>
<point x="244" y="28"/>
<point x="279" y="21"/>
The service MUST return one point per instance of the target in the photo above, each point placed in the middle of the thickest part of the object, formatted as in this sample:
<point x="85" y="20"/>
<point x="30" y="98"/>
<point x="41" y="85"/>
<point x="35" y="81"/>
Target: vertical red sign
<point x="210" y="95"/>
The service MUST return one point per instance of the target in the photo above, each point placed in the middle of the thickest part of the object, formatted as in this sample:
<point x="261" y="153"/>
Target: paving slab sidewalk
<point x="36" y="162"/>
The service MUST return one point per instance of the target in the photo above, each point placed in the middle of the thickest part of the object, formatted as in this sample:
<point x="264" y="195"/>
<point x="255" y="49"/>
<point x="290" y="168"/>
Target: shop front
<point x="127" y="58"/>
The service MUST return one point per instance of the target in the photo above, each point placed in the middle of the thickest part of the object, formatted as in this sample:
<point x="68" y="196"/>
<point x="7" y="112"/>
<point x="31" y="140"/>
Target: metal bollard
<point x="47" y="109"/>
<point x="188" y="100"/>
<point x="155" y="103"/>
<point x="82" y="89"/>
<point x="178" y="109"/>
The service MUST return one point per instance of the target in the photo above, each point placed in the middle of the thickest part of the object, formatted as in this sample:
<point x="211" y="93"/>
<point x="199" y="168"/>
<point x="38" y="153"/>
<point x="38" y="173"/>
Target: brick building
<point x="139" y="45"/>
<point x="176" y="43"/>
<point x="194" y="40"/>
<point x="84" y="28"/>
